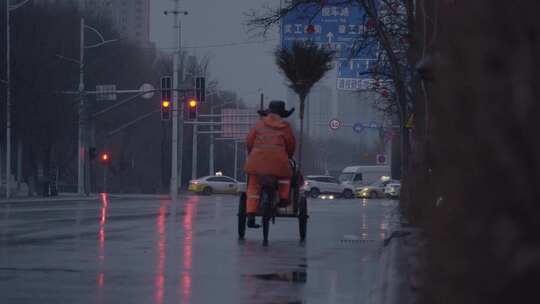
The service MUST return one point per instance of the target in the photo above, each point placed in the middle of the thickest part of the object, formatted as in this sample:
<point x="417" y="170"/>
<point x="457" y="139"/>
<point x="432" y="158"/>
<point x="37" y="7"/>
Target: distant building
<point x="131" y="18"/>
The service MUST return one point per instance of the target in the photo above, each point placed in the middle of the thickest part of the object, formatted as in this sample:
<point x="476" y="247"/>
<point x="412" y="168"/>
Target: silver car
<point x="392" y="190"/>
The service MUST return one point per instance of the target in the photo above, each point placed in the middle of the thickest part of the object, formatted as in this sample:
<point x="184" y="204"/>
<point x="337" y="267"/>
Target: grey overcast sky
<point x="244" y="68"/>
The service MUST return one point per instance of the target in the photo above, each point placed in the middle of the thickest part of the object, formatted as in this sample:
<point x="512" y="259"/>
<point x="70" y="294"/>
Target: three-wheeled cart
<point x="270" y="208"/>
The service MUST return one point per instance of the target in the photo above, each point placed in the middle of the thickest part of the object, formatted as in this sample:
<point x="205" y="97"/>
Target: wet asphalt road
<point x="151" y="251"/>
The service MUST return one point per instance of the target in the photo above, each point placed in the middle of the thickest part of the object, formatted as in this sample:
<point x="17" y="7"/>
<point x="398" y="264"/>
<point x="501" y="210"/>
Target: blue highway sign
<point x="335" y="26"/>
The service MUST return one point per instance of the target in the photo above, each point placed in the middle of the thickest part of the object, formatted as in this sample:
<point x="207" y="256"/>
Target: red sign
<point x="334" y="124"/>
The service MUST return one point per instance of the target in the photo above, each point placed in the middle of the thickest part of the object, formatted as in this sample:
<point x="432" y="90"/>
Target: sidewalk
<point x="401" y="279"/>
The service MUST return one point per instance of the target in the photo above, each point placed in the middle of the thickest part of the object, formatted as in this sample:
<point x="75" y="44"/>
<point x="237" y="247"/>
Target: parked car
<point x="215" y="184"/>
<point x="392" y="190"/>
<point x="374" y="190"/>
<point x="316" y="185"/>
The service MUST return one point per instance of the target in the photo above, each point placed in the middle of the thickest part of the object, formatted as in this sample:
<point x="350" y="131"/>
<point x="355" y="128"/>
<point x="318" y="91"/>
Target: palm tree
<point x="303" y="65"/>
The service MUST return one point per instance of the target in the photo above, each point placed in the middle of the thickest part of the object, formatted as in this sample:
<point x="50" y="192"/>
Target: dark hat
<point x="276" y="107"/>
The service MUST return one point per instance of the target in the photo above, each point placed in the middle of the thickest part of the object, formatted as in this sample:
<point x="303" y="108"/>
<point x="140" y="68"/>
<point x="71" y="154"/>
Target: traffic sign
<point x="390" y="135"/>
<point x="148" y="89"/>
<point x="337" y="26"/>
<point x="334" y="124"/>
<point x="382" y="159"/>
<point x="237" y="122"/>
<point x="358" y="127"/>
<point x="373" y="125"/>
<point x="410" y="122"/>
<point x="106" y="92"/>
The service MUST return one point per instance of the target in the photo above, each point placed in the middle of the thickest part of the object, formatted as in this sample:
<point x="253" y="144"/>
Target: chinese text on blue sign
<point x="338" y="27"/>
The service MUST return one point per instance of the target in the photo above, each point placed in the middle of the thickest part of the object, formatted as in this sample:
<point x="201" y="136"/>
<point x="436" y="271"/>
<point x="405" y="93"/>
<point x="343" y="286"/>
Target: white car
<point x="215" y="184"/>
<point x="392" y="190"/>
<point x="316" y="185"/>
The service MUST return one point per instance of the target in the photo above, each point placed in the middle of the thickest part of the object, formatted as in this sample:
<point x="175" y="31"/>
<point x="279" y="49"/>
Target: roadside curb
<point x="77" y="198"/>
<point x="399" y="278"/>
<point x="48" y="199"/>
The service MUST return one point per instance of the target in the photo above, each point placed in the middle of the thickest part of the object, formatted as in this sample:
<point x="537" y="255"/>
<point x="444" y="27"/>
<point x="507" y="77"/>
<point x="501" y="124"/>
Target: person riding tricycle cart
<point x="274" y="181"/>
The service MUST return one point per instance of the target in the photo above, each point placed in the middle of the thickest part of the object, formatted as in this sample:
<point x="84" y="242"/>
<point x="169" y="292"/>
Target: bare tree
<point x="303" y="65"/>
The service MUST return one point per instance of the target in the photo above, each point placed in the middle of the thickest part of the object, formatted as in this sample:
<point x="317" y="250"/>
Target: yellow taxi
<point x="214" y="184"/>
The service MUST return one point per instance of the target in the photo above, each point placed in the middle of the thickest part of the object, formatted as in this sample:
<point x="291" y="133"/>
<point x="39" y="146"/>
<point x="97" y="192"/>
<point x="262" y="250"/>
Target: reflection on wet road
<point x="160" y="251"/>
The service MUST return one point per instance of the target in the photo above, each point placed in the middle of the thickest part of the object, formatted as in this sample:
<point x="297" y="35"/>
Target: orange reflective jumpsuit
<point x="270" y="144"/>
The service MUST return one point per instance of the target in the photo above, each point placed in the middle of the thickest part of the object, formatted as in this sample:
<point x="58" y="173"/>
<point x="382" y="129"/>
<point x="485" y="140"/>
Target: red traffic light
<point x="165" y="103"/>
<point x="105" y="157"/>
<point x="192" y="103"/>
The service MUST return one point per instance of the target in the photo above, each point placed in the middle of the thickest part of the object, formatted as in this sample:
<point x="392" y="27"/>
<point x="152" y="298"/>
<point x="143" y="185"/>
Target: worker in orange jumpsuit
<point x="270" y="144"/>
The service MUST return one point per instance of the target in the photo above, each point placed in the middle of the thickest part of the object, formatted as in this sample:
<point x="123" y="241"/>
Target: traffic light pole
<point x="195" y="152"/>
<point x="211" y="152"/>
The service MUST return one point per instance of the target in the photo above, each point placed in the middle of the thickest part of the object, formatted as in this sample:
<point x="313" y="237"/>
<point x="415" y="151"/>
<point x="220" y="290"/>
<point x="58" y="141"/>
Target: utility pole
<point x="9" y="8"/>
<point x="176" y="118"/>
<point x="82" y="103"/>
<point x="8" y="103"/>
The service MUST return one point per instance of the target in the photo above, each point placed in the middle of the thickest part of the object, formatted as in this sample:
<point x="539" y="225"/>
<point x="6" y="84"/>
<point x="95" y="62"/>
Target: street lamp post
<point x="82" y="145"/>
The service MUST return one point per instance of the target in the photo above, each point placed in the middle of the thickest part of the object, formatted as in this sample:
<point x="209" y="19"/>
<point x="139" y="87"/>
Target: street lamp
<point x="9" y="8"/>
<point x="82" y="103"/>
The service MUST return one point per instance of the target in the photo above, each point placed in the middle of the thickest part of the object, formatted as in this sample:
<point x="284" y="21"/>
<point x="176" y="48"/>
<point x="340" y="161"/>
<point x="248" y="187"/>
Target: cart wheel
<point x="242" y="216"/>
<point x="267" y="215"/>
<point x="302" y="218"/>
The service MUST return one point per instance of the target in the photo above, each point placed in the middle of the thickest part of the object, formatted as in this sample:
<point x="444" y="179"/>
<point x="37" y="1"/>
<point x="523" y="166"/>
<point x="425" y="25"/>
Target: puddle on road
<point x="292" y="277"/>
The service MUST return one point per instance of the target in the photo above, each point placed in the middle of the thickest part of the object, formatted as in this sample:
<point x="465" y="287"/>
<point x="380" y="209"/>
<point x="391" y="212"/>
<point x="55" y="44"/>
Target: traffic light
<point x="166" y="97"/>
<point x="200" y="89"/>
<point x="105" y="158"/>
<point x="192" y="108"/>
<point x="165" y="110"/>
